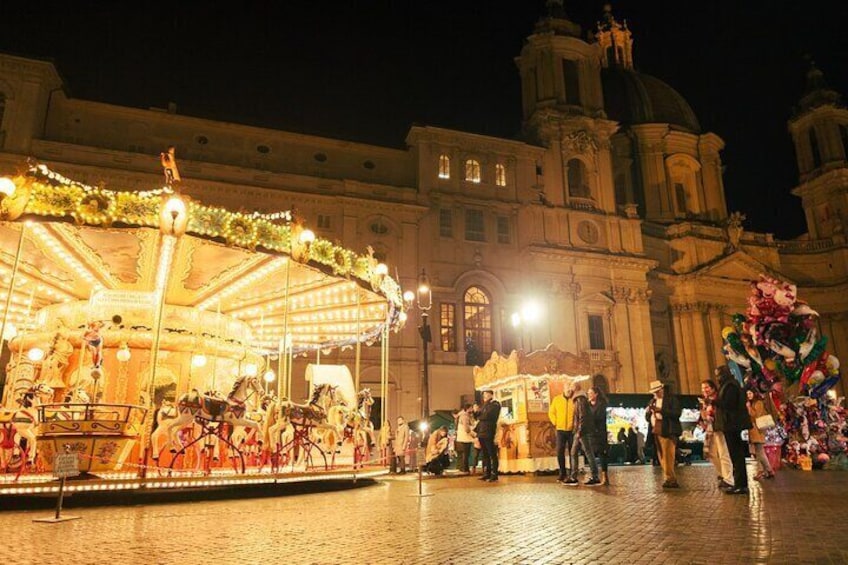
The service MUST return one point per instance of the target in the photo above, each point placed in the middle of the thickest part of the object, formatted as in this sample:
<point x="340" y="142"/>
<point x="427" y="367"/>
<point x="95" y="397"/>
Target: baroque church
<point x="609" y="211"/>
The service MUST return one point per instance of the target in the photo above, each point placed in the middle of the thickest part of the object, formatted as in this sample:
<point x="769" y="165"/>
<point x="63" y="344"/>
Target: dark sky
<point x="367" y="70"/>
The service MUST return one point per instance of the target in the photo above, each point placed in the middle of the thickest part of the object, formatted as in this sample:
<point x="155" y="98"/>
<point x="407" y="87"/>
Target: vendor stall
<point x="524" y="385"/>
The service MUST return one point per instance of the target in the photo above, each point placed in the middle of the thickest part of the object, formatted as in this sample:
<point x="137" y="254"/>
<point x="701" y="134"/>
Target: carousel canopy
<point x="548" y="363"/>
<point x="110" y="250"/>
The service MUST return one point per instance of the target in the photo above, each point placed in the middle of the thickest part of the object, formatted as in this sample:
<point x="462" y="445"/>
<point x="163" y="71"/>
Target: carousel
<point x="155" y="336"/>
<point x="524" y="385"/>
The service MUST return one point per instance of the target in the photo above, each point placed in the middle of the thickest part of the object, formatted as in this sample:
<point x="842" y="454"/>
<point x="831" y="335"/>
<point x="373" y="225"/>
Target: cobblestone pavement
<point x="797" y="518"/>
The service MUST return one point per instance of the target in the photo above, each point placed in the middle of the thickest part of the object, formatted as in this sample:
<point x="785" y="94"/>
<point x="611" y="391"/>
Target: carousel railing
<point x="65" y="418"/>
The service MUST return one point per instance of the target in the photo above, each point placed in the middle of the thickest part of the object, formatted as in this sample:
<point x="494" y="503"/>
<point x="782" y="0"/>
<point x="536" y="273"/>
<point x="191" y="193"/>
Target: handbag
<point x="765" y="422"/>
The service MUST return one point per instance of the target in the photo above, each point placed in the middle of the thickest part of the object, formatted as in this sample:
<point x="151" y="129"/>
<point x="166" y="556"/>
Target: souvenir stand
<point x="123" y="310"/>
<point x="524" y="385"/>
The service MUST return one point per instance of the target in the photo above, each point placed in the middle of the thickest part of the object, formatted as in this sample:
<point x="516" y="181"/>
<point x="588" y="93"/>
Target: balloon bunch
<point x="776" y="342"/>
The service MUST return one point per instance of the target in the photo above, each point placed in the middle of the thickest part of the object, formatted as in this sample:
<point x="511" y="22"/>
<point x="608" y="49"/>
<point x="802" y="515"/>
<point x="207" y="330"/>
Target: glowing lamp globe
<point x="35" y="354"/>
<point x="251" y="370"/>
<point x="198" y="360"/>
<point x="10" y="332"/>
<point x="269" y="376"/>
<point x="123" y="354"/>
<point x="307" y="236"/>
<point x="381" y="269"/>
<point x="409" y="296"/>
<point x="7" y="186"/>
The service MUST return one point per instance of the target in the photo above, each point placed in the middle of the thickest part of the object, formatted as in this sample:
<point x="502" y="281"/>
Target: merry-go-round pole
<point x="12" y="280"/>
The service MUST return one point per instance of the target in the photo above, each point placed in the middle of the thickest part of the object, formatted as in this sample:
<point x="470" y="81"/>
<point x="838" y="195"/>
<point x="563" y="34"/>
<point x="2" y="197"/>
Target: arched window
<point x="500" y="175"/>
<point x="814" y="148"/>
<point x="444" y="167"/>
<point x="477" y="315"/>
<point x="578" y="180"/>
<point x="472" y="171"/>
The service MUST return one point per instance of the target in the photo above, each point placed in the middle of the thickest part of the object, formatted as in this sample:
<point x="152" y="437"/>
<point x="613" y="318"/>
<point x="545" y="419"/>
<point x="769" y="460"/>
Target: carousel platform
<point x="40" y="491"/>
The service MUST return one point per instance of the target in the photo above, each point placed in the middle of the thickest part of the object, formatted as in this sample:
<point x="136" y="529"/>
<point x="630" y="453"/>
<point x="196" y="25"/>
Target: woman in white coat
<point x="400" y="444"/>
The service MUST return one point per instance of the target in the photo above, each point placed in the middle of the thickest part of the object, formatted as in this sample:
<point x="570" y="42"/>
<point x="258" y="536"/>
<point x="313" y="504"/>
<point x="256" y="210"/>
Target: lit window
<point x="472" y="171"/>
<point x="503" y="229"/>
<point x="500" y="175"/>
<point x="444" y="167"/>
<point x="323" y="222"/>
<point x="445" y="222"/>
<point x="477" y="316"/>
<point x="596" y="332"/>
<point x="474" y="226"/>
<point x="447" y="326"/>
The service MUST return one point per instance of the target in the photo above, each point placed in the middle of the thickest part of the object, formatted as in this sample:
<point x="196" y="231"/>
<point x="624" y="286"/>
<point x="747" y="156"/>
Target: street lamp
<point x="424" y="303"/>
<point x="530" y="314"/>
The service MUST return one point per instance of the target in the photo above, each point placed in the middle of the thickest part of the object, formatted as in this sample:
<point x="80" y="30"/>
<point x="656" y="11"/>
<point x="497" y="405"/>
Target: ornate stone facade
<point x="610" y="216"/>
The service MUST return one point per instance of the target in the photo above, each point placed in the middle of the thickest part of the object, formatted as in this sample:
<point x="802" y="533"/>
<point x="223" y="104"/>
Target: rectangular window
<point x="323" y="222"/>
<point x="447" y="326"/>
<point x="570" y="76"/>
<point x="445" y="223"/>
<point x="596" y="332"/>
<point x="444" y="167"/>
<point x="503" y="229"/>
<point x="474" y="228"/>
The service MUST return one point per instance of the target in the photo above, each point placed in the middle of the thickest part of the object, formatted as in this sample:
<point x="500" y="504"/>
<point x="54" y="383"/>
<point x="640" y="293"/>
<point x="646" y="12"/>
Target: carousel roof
<point x="83" y="243"/>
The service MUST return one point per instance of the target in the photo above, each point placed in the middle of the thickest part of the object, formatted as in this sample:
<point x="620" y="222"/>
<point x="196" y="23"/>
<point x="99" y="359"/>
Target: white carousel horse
<point x="360" y="420"/>
<point x="284" y="415"/>
<point x="20" y="424"/>
<point x="250" y="440"/>
<point x="206" y="409"/>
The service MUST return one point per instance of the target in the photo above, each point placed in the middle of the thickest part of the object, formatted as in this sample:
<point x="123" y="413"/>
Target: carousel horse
<point x="285" y="416"/>
<point x="206" y="409"/>
<point x="359" y="420"/>
<point x="250" y="440"/>
<point x="17" y="427"/>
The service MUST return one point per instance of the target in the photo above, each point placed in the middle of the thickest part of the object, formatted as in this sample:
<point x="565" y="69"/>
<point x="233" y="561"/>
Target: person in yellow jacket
<point x="561" y="414"/>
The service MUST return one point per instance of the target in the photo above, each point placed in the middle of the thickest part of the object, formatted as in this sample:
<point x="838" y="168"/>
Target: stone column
<point x="680" y="356"/>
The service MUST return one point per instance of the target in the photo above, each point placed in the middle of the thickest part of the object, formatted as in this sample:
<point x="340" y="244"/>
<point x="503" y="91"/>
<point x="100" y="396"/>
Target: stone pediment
<point x="738" y="266"/>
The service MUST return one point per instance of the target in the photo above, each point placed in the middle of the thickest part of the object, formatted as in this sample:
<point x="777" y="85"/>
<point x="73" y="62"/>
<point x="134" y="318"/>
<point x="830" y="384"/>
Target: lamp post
<point x="424" y="302"/>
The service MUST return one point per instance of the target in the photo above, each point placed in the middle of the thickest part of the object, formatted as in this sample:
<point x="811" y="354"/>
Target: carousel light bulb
<point x="10" y="332"/>
<point x="123" y="354"/>
<point x="250" y="370"/>
<point x="307" y="236"/>
<point x="198" y="360"/>
<point x="381" y="269"/>
<point x="35" y="354"/>
<point x="269" y="376"/>
<point x="7" y="186"/>
<point x="409" y="296"/>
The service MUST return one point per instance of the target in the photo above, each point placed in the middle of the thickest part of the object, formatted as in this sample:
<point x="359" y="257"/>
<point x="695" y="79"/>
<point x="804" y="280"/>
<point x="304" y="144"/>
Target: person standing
<point x="598" y="410"/>
<point x="756" y="437"/>
<point x="584" y="435"/>
<point x="663" y="413"/>
<point x="561" y="415"/>
<point x="464" y="439"/>
<point x="732" y="417"/>
<point x="487" y="427"/>
<point x="400" y="443"/>
<point x="632" y="445"/>
<point x="621" y="438"/>
<point x="715" y="447"/>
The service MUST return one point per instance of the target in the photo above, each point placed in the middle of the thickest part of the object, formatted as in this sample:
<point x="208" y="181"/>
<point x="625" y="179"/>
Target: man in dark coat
<point x="487" y="427"/>
<point x="731" y="417"/>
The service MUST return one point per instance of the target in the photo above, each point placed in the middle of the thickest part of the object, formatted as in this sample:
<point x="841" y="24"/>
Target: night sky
<point x="368" y="70"/>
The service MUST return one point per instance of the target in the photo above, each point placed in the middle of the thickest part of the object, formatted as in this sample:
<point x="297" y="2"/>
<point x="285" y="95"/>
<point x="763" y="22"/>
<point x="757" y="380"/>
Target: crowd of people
<point x="580" y="420"/>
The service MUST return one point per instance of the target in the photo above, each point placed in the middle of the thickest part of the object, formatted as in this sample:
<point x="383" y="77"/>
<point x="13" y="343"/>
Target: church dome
<point x="636" y="98"/>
